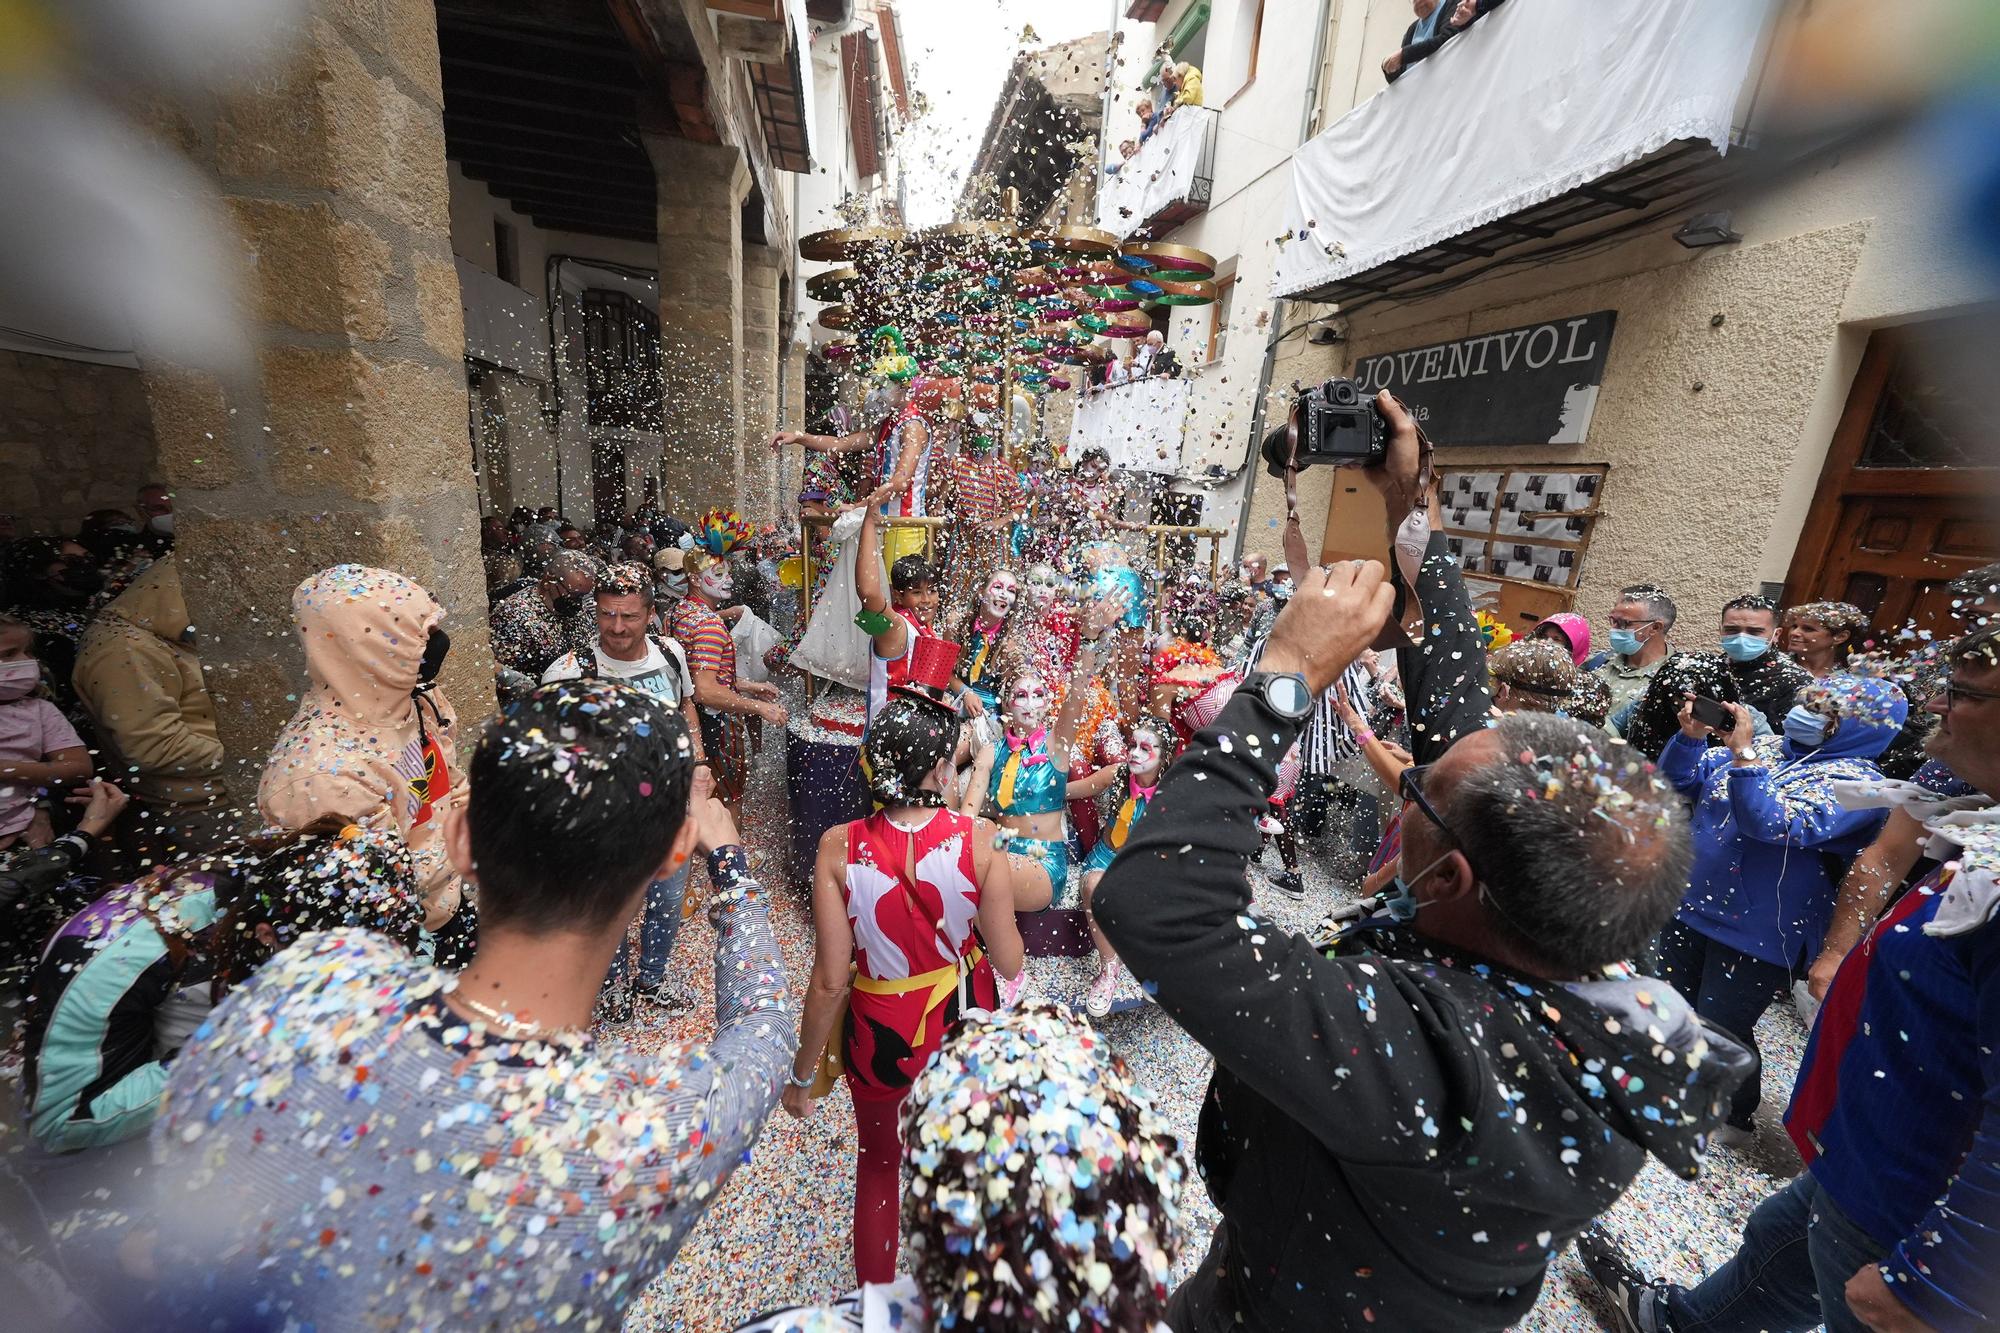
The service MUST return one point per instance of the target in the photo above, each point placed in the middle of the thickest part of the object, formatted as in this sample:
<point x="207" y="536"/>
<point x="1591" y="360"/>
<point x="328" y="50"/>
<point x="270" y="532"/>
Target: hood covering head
<point x="1871" y="712"/>
<point x="153" y="602"/>
<point x="364" y="632"/>
<point x="1575" y="629"/>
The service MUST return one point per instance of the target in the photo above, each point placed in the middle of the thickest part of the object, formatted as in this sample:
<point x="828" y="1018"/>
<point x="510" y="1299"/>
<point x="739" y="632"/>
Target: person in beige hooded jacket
<point x="371" y="738"/>
<point x="137" y="673"/>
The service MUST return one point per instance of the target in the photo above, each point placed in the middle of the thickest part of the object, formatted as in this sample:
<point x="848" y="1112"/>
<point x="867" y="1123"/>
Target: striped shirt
<point x="339" y="1149"/>
<point x="985" y="489"/>
<point x="704" y="636"/>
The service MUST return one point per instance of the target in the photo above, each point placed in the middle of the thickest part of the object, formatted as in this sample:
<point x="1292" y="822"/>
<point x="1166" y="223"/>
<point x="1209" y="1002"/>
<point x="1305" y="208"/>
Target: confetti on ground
<point x="780" y="1233"/>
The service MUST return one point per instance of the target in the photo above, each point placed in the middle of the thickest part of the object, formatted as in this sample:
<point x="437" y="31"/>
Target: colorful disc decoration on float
<point x="1170" y="262"/>
<point x="832" y="285"/>
<point x="1185" y="293"/>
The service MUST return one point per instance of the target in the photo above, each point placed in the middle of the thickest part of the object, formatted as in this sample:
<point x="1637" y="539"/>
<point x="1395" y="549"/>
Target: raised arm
<point x="851" y="443"/>
<point x="1099" y="615"/>
<point x="1881" y="866"/>
<point x="887" y="632"/>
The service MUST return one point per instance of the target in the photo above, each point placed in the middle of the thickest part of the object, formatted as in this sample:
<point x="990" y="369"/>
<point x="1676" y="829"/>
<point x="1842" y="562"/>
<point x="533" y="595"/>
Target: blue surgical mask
<point x="1745" y="647"/>
<point x="1624" y="642"/>
<point x="1805" y="729"/>
<point x="1401" y="899"/>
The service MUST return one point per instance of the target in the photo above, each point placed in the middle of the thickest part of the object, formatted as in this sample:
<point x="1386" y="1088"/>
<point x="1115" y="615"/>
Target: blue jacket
<point x="1760" y="883"/>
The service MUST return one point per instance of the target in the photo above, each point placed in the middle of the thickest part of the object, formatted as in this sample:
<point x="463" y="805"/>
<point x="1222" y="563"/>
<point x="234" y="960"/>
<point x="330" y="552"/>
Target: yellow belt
<point x="942" y="981"/>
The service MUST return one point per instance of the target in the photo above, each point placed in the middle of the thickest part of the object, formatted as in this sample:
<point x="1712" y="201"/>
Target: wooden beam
<point x="752" y="9"/>
<point x="499" y="174"/>
<point x="489" y="148"/>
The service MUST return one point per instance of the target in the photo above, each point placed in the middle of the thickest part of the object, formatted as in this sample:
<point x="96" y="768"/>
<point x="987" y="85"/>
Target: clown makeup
<point x="716" y="581"/>
<point x="1042" y="588"/>
<point x="1028" y="703"/>
<point x="1000" y="595"/>
<point x="1144" y="756"/>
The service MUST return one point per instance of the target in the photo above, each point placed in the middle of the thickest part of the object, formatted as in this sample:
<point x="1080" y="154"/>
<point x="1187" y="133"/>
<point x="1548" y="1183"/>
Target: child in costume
<point x="1146" y="755"/>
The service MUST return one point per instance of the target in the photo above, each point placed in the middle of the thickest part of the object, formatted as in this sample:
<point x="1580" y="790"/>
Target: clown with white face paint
<point x="1145" y="757"/>
<point x="722" y="703"/>
<point x="1048" y="623"/>
<point x="985" y="633"/>
<point x="1029" y="784"/>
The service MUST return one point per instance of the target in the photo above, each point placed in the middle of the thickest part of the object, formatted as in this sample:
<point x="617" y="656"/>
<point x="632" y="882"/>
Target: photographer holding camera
<point x="1404" y="1131"/>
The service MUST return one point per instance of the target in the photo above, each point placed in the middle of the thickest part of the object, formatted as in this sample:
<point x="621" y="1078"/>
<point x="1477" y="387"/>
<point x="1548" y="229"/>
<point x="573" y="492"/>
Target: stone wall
<point x="74" y="436"/>
<point x="348" y="441"/>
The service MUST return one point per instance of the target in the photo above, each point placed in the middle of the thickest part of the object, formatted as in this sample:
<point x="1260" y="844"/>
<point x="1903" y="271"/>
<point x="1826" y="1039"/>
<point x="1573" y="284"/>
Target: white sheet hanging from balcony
<point x="1141" y="424"/>
<point x="1535" y="99"/>
<point x="1162" y="172"/>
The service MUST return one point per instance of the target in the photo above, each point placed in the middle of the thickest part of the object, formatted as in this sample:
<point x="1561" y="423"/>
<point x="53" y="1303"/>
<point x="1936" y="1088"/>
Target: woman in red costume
<point x="913" y="910"/>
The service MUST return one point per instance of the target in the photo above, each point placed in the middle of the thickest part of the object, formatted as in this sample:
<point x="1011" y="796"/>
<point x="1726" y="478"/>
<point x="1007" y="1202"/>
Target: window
<point x="1218" y="318"/>
<point x="506" y="253"/>
<point x="621" y="361"/>
<point x="1238" y="64"/>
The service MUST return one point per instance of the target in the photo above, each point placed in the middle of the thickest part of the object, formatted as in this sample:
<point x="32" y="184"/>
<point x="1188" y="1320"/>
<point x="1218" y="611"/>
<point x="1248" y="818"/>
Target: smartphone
<point x="1713" y="713"/>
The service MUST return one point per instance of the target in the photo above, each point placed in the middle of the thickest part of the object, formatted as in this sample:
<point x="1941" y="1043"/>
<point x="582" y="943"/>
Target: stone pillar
<point x="762" y="267"/>
<point x="701" y="190"/>
<point x="348" y="440"/>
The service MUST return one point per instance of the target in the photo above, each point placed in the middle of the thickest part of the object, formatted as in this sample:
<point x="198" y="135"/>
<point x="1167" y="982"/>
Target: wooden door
<point x="1909" y="498"/>
<point x="607" y="482"/>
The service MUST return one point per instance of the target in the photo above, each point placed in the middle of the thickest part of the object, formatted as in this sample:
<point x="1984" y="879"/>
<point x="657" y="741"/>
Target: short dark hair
<point x="1751" y="601"/>
<point x="626" y="580"/>
<point x="1581" y="847"/>
<point x="1979" y="649"/>
<point x="906" y="742"/>
<point x="911" y="572"/>
<point x="577" y="791"/>
<point x="1097" y="452"/>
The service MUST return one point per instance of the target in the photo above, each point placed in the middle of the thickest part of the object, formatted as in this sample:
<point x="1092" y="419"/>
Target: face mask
<point x="162" y="524"/>
<point x="435" y="648"/>
<point x="1805" y="729"/>
<point x="125" y="528"/>
<point x="1745" y="647"/>
<point x="675" y="585"/>
<point x="1624" y="642"/>
<point x="19" y="678"/>
<point x="568" y="604"/>
<point x="1401" y="900"/>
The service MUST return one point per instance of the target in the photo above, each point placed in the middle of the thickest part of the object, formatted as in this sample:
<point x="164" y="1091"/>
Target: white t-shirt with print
<point x="662" y="674"/>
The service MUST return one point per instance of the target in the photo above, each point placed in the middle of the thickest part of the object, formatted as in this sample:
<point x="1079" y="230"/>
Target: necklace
<point x="508" y="1020"/>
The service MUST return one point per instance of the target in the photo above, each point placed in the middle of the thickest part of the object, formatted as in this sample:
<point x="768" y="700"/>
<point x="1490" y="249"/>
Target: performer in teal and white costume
<point x="1145" y="753"/>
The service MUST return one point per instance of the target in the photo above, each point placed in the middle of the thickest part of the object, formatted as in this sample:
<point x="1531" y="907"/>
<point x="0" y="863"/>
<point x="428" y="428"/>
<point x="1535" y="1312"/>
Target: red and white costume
<point x="884" y="672"/>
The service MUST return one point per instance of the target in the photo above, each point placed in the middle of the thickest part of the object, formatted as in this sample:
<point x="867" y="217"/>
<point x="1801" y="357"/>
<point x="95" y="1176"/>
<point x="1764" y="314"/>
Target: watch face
<point x="1288" y="694"/>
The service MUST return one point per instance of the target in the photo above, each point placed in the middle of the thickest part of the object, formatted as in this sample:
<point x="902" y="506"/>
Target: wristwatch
<point x="1283" y="692"/>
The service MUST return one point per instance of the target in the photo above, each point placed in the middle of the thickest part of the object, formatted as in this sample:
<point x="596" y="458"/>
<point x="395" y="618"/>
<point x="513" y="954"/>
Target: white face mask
<point x="716" y="582"/>
<point x="1001" y="594"/>
<point x="1028" y="704"/>
<point x="1145" y="754"/>
<point x="162" y="524"/>
<point x="18" y="678"/>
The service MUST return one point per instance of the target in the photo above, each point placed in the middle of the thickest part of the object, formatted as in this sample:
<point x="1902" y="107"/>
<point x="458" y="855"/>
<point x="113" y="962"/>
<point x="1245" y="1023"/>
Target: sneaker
<point x="614" y="1007"/>
<point x="1288" y="883"/>
<point x="660" y="996"/>
<point x="1640" y="1301"/>
<point x="1097" y="1003"/>
<point x="1736" y="1137"/>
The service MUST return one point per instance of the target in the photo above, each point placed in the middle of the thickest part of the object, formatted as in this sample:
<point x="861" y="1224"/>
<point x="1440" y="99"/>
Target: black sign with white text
<point x="1533" y="385"/>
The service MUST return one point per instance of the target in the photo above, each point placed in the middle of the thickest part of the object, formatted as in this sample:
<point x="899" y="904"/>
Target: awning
<point x="1174" y="167"/>
<point x="1536" y="99"/>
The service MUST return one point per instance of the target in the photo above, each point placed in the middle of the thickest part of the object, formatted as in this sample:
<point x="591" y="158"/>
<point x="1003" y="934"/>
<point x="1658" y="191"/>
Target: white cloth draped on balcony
<point x="1141" y="424"/>
<point x="1535" y="99"/>
<point x="1162" y="172"/>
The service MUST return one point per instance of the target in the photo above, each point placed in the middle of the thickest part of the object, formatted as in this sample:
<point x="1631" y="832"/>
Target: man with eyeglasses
<point x="1895" y="1224"/>
<point x="1405" y="1129"/>
<point x="1640" y="622"/>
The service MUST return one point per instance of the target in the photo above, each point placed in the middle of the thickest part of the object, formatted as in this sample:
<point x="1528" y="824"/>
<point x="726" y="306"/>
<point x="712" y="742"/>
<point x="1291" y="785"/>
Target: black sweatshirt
<point x="1395" y="1138"/>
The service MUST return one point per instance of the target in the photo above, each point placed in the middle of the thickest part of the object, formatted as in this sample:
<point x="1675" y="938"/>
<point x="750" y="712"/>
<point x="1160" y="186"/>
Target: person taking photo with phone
<point x="1761" y="894"/>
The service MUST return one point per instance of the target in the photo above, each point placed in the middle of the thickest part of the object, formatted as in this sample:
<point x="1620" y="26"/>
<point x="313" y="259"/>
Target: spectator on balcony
<point x="1154" y="357"/>
<point x="1438" y="21"/>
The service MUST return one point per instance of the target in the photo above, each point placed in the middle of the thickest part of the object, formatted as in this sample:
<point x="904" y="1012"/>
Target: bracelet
<point x="1364" y="737"/>
<point x="793" y="1080"/>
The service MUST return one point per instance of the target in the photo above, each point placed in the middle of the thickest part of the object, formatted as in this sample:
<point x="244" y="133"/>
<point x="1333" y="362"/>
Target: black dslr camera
<point x="1332" y="423"/>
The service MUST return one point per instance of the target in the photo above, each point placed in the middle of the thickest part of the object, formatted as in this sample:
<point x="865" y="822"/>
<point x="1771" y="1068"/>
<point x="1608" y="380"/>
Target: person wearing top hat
<point x="896" y="899"/>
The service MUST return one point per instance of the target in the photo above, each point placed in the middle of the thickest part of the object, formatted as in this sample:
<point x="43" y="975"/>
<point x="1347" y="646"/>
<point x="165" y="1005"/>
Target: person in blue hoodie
<point x="1770" y="846"/>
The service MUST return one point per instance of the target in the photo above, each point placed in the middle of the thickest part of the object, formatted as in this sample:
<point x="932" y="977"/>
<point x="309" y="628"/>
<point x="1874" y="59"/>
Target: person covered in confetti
<point x="1145" y="756"/>
<point x="723" y="702"/>
<point x="1653" y="719"/>
<point x="357" y="1139"/>
<point x="373" y="736"/>
<point x="902" y="901"/>
<point x="539" y="623"/>
<point x="1045" y="1191"/>
<point x="986" y="631"/>
<point x="1404" y="1131"/>
<point x="897" y="618"/>
<point x="1766" y="819"/>
<point x="1896" y="1111"/>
